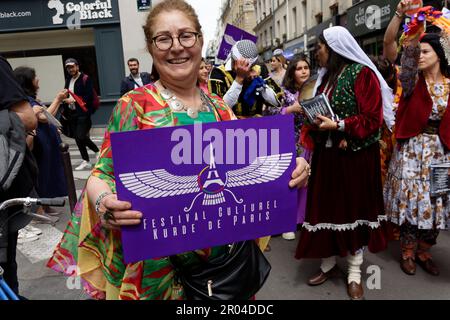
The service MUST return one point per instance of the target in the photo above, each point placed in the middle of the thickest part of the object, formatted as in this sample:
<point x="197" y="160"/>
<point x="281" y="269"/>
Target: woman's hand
<point x="325" y="123"/>
<point x="69" y="100"/>
<point x="63" y="94"/>
<point x="115" y="213"/>
<point x="301" y="174"/>
<point x="37" y="109"/>
<point x="295" y="108"/>
<point x="60" y="98"/>
<point x="39" y="112"/>
<point x="404" y="6"/>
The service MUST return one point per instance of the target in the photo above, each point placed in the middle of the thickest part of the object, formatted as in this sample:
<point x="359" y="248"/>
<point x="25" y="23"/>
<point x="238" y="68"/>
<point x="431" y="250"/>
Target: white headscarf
<point x="342" y="42"/>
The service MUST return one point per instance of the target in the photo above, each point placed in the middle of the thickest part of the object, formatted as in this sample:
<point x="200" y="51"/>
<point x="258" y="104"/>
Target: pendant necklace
<point x="176" y="105"/>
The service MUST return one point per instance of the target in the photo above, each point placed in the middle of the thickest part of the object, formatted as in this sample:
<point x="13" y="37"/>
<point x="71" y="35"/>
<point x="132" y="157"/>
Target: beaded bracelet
<point x="99" y="199"/>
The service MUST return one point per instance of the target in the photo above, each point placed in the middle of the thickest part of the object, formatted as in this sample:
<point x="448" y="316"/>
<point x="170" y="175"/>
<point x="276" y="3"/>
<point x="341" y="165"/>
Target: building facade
<point x="294" y="25"/>
<point x="101" y="34"/>
<point x="239" y="13"/>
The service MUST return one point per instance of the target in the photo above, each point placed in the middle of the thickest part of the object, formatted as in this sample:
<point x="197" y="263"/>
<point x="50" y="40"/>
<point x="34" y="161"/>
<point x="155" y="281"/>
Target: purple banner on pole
<point x="231" y="36"/>
<point x="206" y="184"/>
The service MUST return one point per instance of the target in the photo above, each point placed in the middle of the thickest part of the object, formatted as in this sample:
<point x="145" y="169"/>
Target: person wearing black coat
<point x="135" y="79"/>
<point x="77" y="116"/>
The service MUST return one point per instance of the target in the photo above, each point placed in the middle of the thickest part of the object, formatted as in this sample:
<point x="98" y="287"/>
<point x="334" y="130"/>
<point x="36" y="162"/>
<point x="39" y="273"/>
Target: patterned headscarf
<point x="245" y="49"/>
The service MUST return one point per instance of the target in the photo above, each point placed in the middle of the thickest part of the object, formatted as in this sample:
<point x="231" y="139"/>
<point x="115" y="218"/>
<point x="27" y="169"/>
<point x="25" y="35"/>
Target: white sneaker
<point x="84" y="165"/>
<point x="26" y="236"/>
<point x="33" y="230"/>
<point x="288" y="236"/>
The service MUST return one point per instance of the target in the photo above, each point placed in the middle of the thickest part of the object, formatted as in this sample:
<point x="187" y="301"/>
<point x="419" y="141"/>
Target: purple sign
<point x="231" y="36"/>
<point x="206" y="184"/>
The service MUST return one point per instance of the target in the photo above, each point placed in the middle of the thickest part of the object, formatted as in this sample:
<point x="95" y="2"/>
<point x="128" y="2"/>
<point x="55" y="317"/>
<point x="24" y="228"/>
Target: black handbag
<point x="236" y="275"/>
<point x="66" y="127"/>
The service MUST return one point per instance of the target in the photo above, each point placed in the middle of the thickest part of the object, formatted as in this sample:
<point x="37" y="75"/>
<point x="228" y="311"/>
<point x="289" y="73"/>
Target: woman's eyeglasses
<point x="186" y="39"/>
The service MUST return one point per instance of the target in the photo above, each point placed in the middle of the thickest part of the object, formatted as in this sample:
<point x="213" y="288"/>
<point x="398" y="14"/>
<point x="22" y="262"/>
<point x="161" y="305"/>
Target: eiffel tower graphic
<point x="212" y="198"/>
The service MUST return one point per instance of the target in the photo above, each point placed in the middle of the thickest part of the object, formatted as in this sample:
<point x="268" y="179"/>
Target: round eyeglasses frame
<point x="180" y="41"/>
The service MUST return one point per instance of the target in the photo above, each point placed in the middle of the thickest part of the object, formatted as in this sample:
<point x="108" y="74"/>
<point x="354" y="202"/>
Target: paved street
<point x="288" y="277"/>
<point x="286" y="281"/>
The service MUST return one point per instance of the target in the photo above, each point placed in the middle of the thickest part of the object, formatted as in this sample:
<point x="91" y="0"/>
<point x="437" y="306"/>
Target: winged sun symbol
<point x="159" y="183"/>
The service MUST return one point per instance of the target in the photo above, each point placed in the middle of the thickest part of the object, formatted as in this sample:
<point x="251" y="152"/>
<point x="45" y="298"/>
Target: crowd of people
<point x="372" y="161"/>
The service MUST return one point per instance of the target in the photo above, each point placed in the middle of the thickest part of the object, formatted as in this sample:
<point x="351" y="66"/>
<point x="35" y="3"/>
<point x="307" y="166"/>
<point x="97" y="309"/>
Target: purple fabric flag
<point x="206" y="184"/>
<point x="231" y="36"/>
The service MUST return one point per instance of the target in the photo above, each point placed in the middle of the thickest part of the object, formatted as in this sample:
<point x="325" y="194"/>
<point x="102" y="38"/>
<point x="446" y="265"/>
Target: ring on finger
<point x="308" y="170"/>
<point x="108" y="215"/>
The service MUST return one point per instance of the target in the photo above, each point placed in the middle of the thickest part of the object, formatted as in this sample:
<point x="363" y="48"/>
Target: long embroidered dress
<point x="95" y="253"/>
<point x="407" y="189"/>
<point x="344" y="210"/>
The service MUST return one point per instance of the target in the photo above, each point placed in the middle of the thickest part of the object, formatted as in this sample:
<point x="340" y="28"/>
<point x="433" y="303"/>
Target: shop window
<point x="374" y="47"/>
<point x="319" y="18"/>
<point x="334" y="10"/>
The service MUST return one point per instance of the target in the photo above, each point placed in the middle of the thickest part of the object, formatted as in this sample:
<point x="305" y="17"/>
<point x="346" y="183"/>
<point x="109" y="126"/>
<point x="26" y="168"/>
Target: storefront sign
<point x="370" y="16"/>
<point x="48" y="14"/>
<point x="206" y="184"/>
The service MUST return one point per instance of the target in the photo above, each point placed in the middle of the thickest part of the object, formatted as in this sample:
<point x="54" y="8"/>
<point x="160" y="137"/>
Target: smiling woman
<point x="92" y="240"/>
<point x="174" y="40"/>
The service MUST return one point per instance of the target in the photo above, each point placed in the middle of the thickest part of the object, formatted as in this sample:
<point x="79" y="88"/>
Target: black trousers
<point x="80" y="126"/>
<point x="10" y="267"/>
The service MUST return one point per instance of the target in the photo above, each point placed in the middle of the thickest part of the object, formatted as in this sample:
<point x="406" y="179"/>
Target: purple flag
<point x="206" y="184"/>
<point x="231" y="36"/>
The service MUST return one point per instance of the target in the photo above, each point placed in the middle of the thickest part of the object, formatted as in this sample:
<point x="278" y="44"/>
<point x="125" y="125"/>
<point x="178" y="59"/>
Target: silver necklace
<point x="176" y="105"/>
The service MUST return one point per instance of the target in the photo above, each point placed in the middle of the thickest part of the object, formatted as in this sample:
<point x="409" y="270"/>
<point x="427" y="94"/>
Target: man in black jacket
<point x="77" y="114"/>
<point x="135" y="79"/>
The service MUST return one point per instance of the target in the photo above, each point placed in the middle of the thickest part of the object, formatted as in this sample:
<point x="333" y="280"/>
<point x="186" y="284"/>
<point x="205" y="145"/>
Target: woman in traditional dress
<point x="344" y="210"/>
<point x="423" y="138"/>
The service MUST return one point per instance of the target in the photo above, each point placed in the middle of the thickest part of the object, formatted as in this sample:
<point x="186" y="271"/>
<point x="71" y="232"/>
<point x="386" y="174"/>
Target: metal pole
<point x="64" y="147"/>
